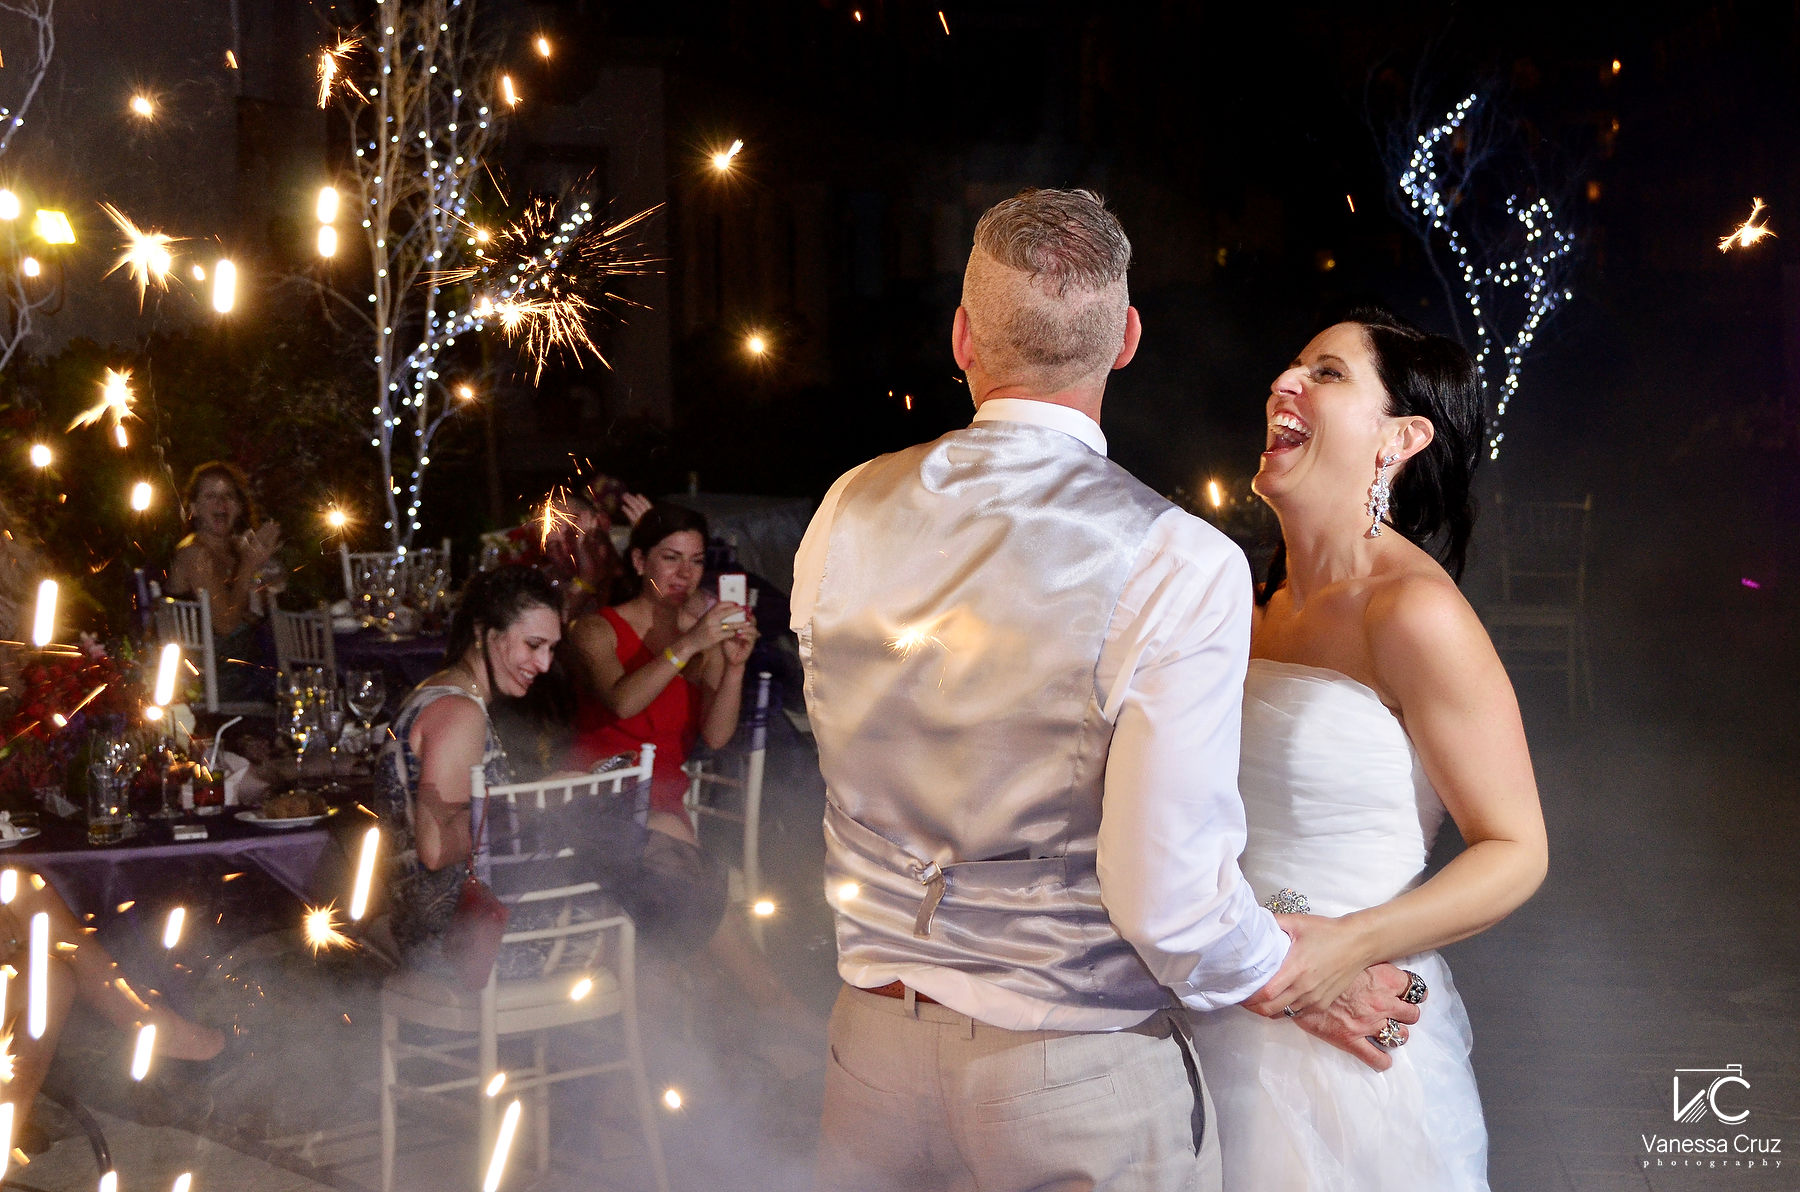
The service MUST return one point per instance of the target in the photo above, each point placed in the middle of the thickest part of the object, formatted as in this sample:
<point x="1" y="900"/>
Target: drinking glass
<point x="108" y="813"/>
<point x="366" y="693"/>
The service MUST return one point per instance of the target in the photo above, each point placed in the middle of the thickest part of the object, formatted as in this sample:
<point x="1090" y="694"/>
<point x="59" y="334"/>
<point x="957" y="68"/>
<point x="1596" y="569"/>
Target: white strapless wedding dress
<point x="1339" y="808"/>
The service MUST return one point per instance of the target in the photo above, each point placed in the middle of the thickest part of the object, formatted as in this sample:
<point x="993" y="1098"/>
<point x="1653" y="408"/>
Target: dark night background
<point x="1228" y="138"/>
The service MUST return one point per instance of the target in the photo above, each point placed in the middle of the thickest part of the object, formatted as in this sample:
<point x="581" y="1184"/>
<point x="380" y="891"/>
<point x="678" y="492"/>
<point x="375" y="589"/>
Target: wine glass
<point x="302" y="731"/>
<point x="366" y="693"/>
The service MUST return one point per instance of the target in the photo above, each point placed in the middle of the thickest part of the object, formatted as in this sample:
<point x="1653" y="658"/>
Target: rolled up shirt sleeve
<point x="1172" y="822"/>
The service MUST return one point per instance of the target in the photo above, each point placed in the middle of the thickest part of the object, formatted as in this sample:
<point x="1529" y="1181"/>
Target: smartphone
<point x="734" y="588"/>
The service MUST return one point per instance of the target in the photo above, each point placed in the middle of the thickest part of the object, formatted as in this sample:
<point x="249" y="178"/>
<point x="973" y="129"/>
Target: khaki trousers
<point x="919" y="1098"/>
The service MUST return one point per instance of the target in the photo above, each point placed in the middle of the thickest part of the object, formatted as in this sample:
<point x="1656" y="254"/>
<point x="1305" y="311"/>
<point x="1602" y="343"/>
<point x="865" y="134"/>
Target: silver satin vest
<point x="967" y="590"/>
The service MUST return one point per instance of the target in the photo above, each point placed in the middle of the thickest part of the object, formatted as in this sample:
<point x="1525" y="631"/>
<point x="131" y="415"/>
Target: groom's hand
<point x="1359" y="1012"/>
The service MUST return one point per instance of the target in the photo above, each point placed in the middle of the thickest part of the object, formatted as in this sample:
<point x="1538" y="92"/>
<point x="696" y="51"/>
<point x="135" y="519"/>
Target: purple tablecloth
<point x="96" y="880"/>
<point x="406" y="662"/>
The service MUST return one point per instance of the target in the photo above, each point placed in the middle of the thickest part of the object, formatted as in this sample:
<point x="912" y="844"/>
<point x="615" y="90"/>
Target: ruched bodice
<point x="1336" y="800"/>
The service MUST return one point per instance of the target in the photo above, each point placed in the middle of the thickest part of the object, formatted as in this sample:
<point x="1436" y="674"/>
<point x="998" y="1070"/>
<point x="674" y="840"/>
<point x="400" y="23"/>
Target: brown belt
<point x="897" y="990"/>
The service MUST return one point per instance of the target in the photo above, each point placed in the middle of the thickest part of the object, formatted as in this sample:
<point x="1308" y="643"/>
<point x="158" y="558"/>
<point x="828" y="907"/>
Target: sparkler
<point x="332" y="75"/>
<point x="6" y="1136"/>
<point x="507" y="92"/>
<point x="912" y="639"/>
<point x="109" y="1182"/>
<point x="172" y="929"/>
<point x="167" y="667"/>
<point x="581" y="989"/>
<point x="1214" y="494"/>
<point x="10" y="207"/>
<point x="672" y="1098"/>
<point x="183" y="1182"/>
<point x="944" y="21"/>
<point x="31" y="267"/>
<point x="1750" y="231"/>
<point x="496" y="1084"/>
<point x="336" y="518"/>
<point x="847" y="891"/>
<point x="321" y="929"/>
<point x="140" y="1056"/>
<point x="723" y="158"/>
<point x="763" y="908"/>
<point x="115" y="400"/>
<point x="466" y="392"/>
<point x="37" y="998"/>
<point x="543" y="46"/>
<point x="756" y="344"/>
<point x="9" y="890"/>
<point x="140" y="496"/>
<point x="557" y="270"/>
<point x="142" y="106"/>
<point x="365" y="874"/>
<point x="509" y="1125"/>
<point x="326" y="208"/>
<point x="328" y="241"/>
<point x="43" y="625"/>
<point x="40" y="455"/>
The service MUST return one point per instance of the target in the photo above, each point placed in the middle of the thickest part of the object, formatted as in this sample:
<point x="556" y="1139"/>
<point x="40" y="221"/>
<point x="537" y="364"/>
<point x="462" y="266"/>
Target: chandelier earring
<point x="1379" y="495"/>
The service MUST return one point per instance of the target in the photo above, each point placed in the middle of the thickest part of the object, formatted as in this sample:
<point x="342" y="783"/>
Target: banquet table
<point x="151" y="867"/>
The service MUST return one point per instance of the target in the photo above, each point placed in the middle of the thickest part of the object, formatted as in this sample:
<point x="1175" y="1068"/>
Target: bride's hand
<point x="1349" y="1023"/>
<point x="1326" y="957"/>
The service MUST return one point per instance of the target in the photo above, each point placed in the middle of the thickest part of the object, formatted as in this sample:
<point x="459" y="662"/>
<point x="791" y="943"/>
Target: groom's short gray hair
<point x="1054" y="310"/>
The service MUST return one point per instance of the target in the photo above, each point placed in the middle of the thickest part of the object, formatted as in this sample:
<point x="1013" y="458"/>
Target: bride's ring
<point x="1390" y="1036"/>
<point x="1416" y="989"/>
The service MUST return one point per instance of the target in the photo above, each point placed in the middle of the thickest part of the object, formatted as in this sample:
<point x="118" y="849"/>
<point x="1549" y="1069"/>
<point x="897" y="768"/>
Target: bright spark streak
<point x="230" y="60"/>
<point x="199" y="272"/>
<point x="508" y="92"/>
<point x="555" y="516"/>
<point x="1214" y="494"/>
<point x="328" y="241"/>
<point x="224" y="292"/>
<point x="53" y="227"/>
<point x="146" y="254"/>
<point x="141" y="106"/>
<point x="543" y="47"/>
<point x="581" y="989"/>
<point x="115" y="400"/>
<point x="847" y="891"/>
<point x="911" y="640"/>
<point x="321" y="929"/>
<point x="337" y="519"/>
<point x="509" y="1125"/>
<point x="172" y="929"/>
<point x="183" y="1182"/>
<point x="40" y="455"/>
<point x="43" y="625"/>
<point x="944" y="21"/>
<point x="496" y="1084"/>
<point x="763" y="908"/>
<point x="331" y="71"/>
<point x="1750" y="231"/>
<point x="365" y="874"/>
<point x="140" y="496"/>
<point x="672" y="1098"/>
<point x="31" y="267"/>
<point x="10" y="207"/>
<point x="140" y="1056"/>
<point x="327" y="207"/>
<point x="120" y="437"/>
<point x="37" y="1004"/>
<point x="9" y="890"/>
<point x="153" y="713"/>
<point x="109" y="1182"/>
<point x="168" y="666"/>
<point x="723" y="158"/>
<point x="6" y="1136"/>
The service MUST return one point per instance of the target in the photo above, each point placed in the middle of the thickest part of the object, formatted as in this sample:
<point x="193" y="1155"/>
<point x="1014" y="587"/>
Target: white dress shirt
<point x="1171" y="673"/>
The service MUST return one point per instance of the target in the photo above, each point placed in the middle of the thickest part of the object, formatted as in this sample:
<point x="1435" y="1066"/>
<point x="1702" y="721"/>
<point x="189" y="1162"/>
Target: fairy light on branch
<point x="1531" y="280"/>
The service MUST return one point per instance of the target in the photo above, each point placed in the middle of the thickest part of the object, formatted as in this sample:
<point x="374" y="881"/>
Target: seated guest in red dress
<point x="655" y="669"/>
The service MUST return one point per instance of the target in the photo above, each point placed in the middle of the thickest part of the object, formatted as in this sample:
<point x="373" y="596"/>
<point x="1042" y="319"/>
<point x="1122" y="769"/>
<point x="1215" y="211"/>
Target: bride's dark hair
<point x="1428" y="376"/>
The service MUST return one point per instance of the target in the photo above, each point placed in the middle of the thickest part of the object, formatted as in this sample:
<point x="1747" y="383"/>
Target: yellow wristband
<point x="675" y="662"/>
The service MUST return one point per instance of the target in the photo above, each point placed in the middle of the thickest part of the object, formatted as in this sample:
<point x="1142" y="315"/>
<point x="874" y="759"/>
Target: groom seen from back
<point x="1024" y="670"/>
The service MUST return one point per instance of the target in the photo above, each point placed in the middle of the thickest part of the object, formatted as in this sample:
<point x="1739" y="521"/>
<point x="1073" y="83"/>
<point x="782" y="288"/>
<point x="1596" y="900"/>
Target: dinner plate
<point x="24" y="835"/>
<point x="255" y="819"/>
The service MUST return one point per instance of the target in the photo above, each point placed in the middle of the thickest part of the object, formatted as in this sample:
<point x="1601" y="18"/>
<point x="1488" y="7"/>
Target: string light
<point x="1532" y="276"/>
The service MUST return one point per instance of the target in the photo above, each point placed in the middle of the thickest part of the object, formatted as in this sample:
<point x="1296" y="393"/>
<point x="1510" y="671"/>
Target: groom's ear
<point x="1134" y="331"/>
<point x="962" y="340"/>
